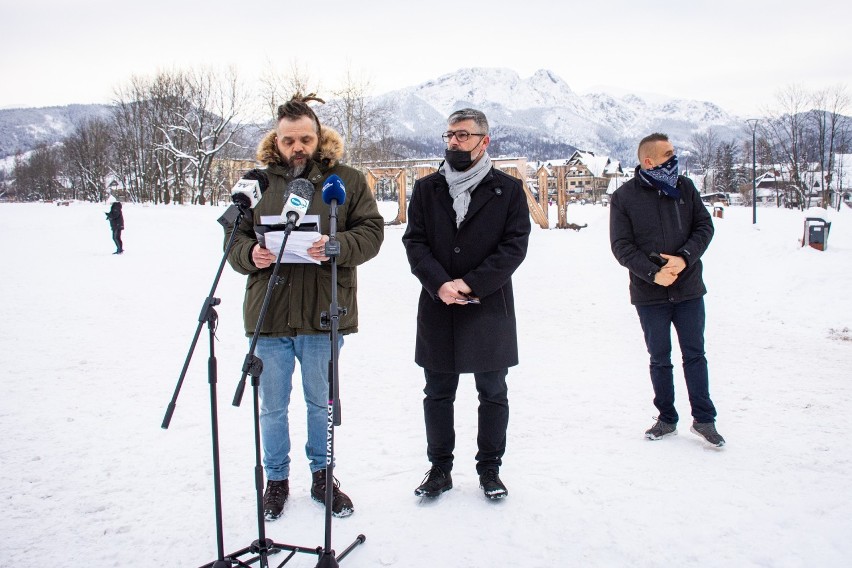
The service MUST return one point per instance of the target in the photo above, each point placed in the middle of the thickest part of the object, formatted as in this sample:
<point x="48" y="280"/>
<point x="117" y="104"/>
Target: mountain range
<point x="544" y="108"/>
<point x="540" y="117"/>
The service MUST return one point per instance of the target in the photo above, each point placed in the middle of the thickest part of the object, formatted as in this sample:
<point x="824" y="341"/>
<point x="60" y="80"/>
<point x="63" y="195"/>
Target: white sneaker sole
<point x="650" y="436"/>
<point x="700" y="435"/>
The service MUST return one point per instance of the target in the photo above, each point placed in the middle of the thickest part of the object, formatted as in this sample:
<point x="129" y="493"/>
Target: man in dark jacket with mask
<point x="468" y="227"/>
<point x="659" y="229"/>
<point x="300" y="147"/>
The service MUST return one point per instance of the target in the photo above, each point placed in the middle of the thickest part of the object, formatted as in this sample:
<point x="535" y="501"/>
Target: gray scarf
<point x="463" y="183"/>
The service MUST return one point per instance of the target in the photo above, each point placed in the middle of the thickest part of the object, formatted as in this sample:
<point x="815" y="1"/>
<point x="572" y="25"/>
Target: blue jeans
<point x="279" y="356"/>
<point x="688" y="320"/>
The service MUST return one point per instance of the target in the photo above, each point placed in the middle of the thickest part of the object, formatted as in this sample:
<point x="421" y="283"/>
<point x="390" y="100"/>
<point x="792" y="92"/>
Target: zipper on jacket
<point x="677" y="215"/>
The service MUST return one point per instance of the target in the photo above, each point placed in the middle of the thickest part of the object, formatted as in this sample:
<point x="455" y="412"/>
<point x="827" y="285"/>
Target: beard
<point x="297" y="164"/>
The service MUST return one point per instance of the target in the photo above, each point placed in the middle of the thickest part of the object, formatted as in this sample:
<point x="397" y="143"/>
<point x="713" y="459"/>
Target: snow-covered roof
<point x="598" y="166"/>
<point x="842" y="171"/>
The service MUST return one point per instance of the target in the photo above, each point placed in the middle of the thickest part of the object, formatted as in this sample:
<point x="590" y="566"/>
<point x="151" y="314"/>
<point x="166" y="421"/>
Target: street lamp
<point x="686" y="154"/>
<point x="753" y="122"/>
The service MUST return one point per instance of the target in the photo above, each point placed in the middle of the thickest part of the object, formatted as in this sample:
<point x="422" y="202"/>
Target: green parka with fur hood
<point x="305" y="289"/>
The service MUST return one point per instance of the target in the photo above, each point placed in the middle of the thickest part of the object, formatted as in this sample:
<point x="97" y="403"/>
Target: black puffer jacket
<point x="642" y="220"/>
<point x="115" y="218"/>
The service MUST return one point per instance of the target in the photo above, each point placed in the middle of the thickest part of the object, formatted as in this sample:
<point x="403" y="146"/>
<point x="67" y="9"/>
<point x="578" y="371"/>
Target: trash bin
<point x="816" y="233"/>
<point x="718" y="210"/>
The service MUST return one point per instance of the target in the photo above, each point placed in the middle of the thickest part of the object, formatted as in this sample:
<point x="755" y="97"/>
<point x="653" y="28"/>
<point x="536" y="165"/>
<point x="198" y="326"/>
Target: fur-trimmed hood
<point x="328" y="154"/>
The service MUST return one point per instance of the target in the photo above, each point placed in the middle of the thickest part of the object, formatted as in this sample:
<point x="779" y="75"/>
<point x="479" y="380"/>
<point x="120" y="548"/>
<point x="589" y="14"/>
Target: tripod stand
<point x="331" y="319"/>
<point x="263" y="546"/>
<point x="231" y="218"/>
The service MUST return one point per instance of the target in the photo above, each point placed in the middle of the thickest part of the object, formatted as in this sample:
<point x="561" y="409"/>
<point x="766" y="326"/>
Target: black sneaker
<point x="489" y="481"/>
<point x="707" y="430"/>
<point x="660" y="430"/>
<point x="435" y="483"/>
<point x="274" y="498"/>
<point x="341" y="504"/>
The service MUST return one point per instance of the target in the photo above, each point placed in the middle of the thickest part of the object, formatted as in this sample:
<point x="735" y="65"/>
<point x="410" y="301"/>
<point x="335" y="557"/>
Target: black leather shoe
<point x="435" y="483"/>
<point x="489" y="481"/>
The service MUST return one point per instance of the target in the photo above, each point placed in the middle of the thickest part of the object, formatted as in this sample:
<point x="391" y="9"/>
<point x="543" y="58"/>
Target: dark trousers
<point x="493" y="418"/>
<point x="116" y="238"/>
<point x="688" y="320"/>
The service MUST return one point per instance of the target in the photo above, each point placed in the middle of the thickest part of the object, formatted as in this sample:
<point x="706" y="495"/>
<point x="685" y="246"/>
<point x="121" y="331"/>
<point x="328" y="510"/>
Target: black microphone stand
<point x="262" y="547"/>
<point x="232" y="217"/>
<point x="327" y="558"/>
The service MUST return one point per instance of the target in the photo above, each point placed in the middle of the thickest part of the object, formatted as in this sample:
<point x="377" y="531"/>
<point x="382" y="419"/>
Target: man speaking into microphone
<point x="297" y="151"/>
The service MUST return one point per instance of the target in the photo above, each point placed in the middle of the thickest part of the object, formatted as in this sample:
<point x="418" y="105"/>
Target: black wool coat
<point x="643" y="220"/>
<point x="484" y="251"/>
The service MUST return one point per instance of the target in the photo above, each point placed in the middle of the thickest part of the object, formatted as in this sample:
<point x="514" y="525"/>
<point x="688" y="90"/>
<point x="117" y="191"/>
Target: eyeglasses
<point x="461" y="135"/>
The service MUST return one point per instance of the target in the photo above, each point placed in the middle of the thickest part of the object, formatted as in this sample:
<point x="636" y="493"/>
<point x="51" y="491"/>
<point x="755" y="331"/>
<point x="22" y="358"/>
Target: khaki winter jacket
<point x="304" y="291"/>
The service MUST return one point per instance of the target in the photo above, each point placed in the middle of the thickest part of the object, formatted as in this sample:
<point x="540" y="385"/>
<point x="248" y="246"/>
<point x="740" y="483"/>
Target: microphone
<point x="246" y="193"/>
<point x="296" y="204"/>
<point x="333" y="189"/>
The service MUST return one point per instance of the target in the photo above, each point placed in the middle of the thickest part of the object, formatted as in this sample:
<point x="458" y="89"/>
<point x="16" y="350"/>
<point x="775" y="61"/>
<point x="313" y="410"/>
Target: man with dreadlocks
<point x="300" y="147"/>
<point x="659" y="229"/>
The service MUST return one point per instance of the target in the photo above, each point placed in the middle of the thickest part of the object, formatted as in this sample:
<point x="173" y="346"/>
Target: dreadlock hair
<point x="297" y="107"/>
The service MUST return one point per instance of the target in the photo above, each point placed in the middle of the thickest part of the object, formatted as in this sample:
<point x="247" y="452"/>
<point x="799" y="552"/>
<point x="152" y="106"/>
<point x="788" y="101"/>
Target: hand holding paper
<point x="297" y="246"/>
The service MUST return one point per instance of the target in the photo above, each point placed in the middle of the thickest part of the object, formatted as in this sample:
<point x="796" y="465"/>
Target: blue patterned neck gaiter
<point x="663" y="177"/>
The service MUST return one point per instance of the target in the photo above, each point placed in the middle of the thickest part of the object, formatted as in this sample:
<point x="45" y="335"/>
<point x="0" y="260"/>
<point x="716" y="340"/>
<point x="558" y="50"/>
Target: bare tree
<point x="135" y="166"/>
<point x="361" y="119"/>
<point x="786" y="127"/>
<point x="277" y="87"/>
<point x="830" y="126"/>
<point x="206" y="125"/>
<point x="37" y="176"/>
<point x="705" y="145"/>
<point x="87" y="156"/>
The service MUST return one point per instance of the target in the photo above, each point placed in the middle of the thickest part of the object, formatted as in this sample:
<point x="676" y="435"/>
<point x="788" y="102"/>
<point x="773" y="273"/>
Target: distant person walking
<point x="658" y="230"/>
<point x="116" y="223"/>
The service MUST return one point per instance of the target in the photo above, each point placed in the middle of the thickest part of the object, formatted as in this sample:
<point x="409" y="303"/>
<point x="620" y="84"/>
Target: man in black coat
<point x="659" y="229"/>
<point x="468" y="228"/>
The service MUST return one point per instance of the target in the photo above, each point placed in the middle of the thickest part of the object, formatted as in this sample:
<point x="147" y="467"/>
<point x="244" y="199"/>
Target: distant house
<point x="842" y="176"/>
<point x="583" y="175"/>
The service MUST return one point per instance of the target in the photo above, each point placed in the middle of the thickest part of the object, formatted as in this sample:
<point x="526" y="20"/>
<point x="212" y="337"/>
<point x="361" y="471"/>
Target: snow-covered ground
<point x="91" y="346"/>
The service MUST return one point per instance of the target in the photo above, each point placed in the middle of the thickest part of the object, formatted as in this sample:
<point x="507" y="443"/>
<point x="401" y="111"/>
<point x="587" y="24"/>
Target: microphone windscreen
<point x="301" y="187"/>
<point x="333" y="188"/>
<point x="246" y="193"/>
<point x="259" y="176"/>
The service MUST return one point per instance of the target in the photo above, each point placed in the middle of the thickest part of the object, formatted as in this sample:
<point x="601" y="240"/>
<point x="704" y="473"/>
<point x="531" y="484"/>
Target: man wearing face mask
<point x="467" y="233"/>
<point x="659" y="229"/>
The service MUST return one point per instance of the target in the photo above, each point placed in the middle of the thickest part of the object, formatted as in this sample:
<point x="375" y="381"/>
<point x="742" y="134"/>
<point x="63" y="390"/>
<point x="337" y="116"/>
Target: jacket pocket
<point x="346" y="297"/>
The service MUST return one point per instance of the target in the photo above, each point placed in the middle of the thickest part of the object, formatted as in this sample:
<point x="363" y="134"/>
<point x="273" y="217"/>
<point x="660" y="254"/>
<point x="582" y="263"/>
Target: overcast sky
<point x="736" y="53"/>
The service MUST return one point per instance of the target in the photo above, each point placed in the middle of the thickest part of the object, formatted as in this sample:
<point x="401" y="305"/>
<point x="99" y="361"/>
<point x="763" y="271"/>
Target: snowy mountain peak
<point x="490" y="88"/>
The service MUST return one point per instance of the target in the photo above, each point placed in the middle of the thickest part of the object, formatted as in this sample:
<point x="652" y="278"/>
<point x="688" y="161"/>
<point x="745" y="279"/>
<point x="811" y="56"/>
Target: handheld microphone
<point x="246" y="193"/>
<point x="296" y="204"/>
<point x="333" y="189"/>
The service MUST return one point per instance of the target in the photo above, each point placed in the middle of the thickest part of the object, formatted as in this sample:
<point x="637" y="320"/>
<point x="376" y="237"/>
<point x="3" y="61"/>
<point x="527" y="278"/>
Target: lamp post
<point x="753" y="122"/>
<point x="686" y="154"/>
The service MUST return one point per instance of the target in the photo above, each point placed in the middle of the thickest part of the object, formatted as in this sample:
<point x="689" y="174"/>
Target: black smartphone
<point x="657" y="259"/>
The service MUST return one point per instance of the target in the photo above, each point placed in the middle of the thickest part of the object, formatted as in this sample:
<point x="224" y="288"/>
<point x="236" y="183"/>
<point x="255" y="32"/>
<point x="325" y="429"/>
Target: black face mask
<point x="459" y="160"/>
